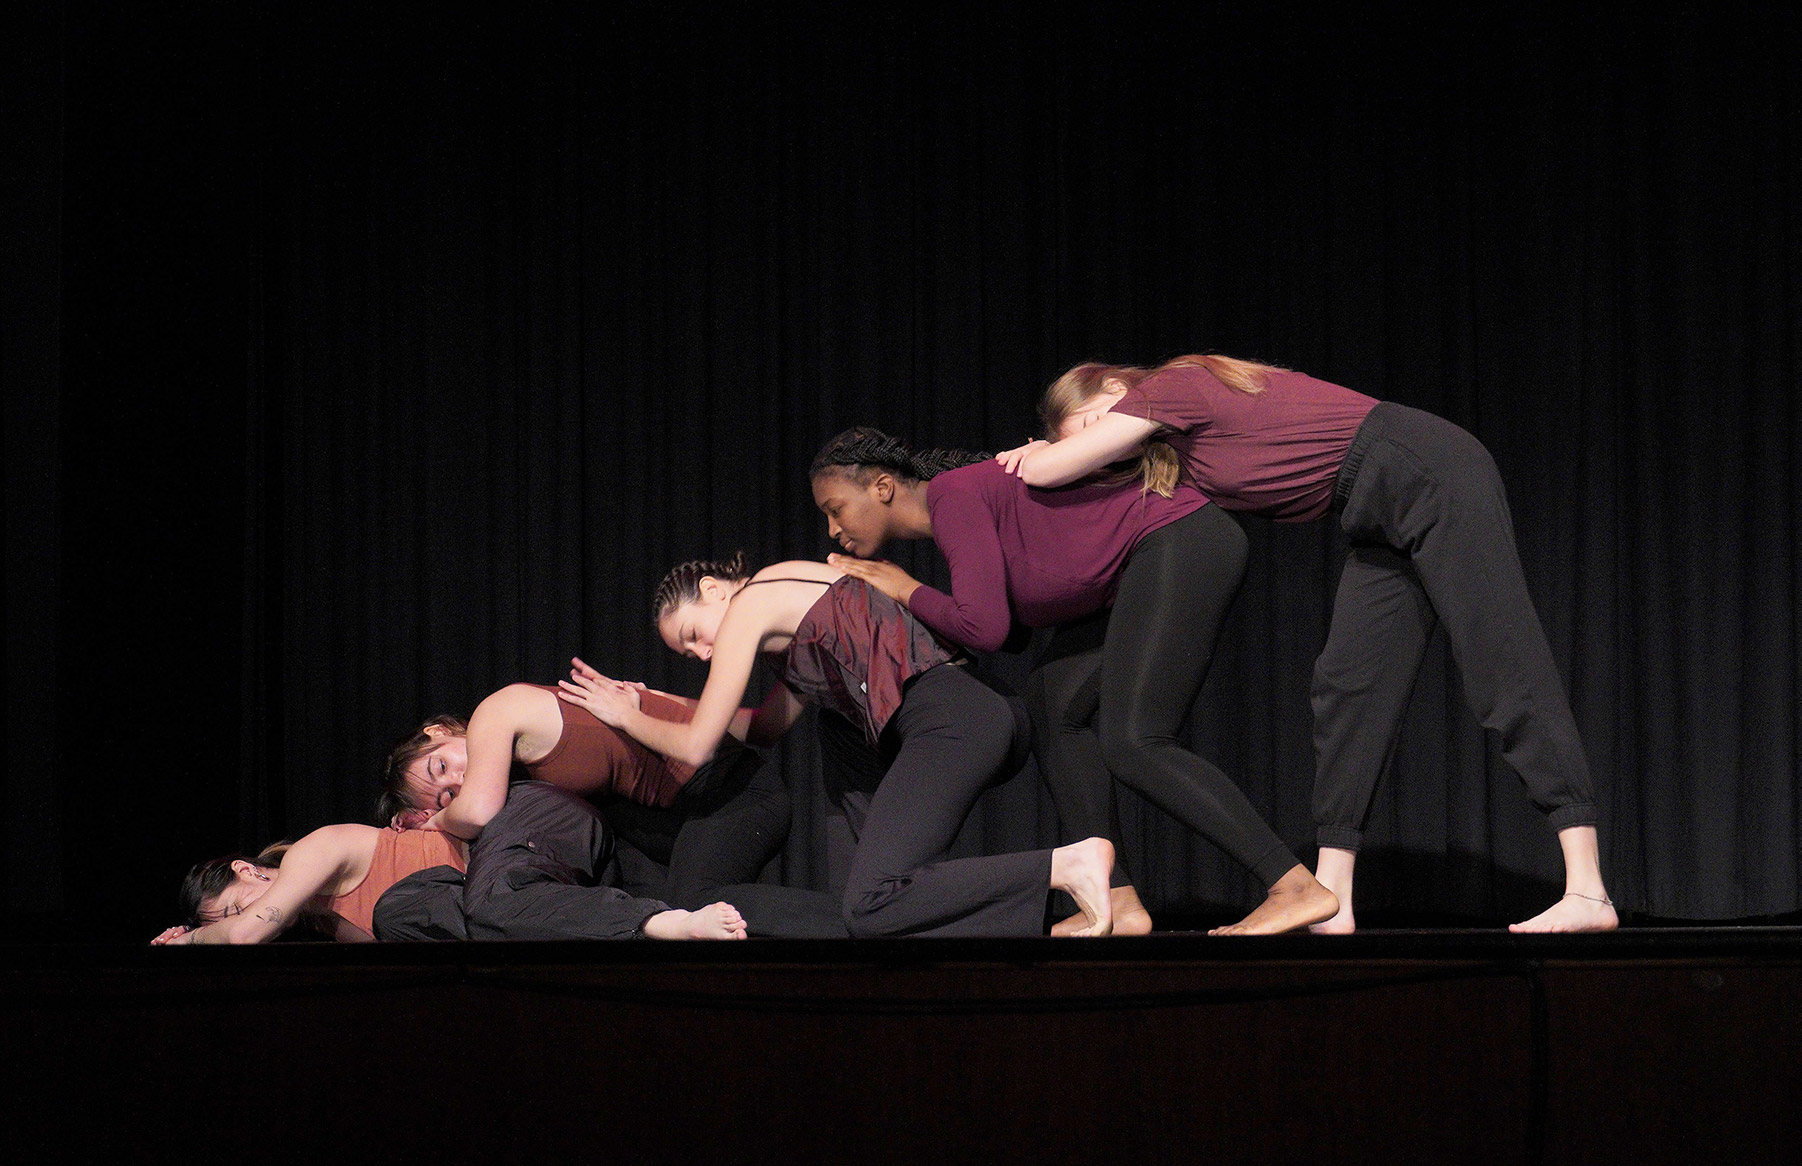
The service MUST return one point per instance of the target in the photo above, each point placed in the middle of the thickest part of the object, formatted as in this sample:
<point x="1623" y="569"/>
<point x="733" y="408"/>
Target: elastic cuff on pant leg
<point x="1581" y="814"/>
<point x="1339" y="837"/>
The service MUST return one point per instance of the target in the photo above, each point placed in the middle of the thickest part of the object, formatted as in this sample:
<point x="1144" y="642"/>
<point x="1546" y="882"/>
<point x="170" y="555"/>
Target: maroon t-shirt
<point x="1039" y="556"/>
<point x="1274" y="453"/>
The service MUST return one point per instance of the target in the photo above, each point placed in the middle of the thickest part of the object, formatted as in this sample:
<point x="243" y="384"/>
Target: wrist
<point x="906" y="592"/>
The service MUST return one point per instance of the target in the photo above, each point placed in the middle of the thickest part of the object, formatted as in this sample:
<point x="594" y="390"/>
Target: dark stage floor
<point x="1666" y="1044"/>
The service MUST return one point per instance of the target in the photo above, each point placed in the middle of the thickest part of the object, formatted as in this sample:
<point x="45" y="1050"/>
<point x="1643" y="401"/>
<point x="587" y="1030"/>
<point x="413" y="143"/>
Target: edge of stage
<point x="1664" y="1043"/>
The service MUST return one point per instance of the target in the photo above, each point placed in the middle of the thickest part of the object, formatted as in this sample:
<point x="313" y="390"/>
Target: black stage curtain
<point x="362" y="360"/>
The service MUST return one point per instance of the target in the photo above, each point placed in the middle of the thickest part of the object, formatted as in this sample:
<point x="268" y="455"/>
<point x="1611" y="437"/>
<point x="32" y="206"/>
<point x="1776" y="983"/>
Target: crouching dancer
<point x="944" y="736"/>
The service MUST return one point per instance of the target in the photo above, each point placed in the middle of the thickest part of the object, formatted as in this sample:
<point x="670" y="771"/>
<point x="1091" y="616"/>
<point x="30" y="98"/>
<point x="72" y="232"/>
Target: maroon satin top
<point x="853" y="652"/>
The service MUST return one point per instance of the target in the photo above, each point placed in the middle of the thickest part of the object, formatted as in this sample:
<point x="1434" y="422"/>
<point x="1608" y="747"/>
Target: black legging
<point x="1173" y="599"/>
<point x="1062" y="696"/>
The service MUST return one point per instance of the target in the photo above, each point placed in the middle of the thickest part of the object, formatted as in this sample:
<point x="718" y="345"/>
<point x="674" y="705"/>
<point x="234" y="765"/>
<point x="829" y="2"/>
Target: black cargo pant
<point x="726" y="825"/>
<point x="535" y="873"/>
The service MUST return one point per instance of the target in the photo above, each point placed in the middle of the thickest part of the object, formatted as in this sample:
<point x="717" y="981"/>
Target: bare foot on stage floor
<point x="1082" y="870"/>
<point x="1574" y="912"/>
<point x="1130" y="916"/>
<point x="717" y="921"/>
<point x="1297" y="900"/>
<point x="1335" y="874"/>
<point x="1343" y="923"/>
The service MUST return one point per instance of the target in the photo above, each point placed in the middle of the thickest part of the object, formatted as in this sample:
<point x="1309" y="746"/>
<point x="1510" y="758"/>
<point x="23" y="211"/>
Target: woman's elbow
<point x="1045" y="476"/>
<point x="695" y="758"/>
<point x="987" y="640"/>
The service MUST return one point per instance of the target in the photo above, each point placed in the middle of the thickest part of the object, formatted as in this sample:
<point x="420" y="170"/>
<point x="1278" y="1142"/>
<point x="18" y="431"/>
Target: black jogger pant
<point x="723" y="829"/>
<point x="950" y="739"/>
<point x="1432" y="543"/>
<point x="533" y="874"/>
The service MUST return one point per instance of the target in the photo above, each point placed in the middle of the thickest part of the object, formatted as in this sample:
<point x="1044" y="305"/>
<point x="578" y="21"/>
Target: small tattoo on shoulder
<point x="270" y="914"/>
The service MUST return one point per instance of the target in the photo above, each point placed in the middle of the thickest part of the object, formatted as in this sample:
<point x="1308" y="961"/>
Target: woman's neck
<point x="910" y="517"/>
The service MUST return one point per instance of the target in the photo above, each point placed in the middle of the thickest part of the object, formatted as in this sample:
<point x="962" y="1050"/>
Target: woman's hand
<point x="579" y="669"/>
<point x="881" y="574"/>
<point x="1010" y="458"/>
<point x="177" y="934"/>
<point x="610" y="701"/>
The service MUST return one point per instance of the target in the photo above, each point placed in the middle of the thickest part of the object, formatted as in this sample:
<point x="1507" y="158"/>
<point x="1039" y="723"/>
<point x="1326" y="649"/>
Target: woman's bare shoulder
<point x="807" y="569"/>
<point x="345" y="838"/>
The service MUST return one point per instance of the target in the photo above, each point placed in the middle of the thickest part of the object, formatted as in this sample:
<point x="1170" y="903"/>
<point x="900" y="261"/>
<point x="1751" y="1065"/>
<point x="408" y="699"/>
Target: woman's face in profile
<point x="856" y="515"/>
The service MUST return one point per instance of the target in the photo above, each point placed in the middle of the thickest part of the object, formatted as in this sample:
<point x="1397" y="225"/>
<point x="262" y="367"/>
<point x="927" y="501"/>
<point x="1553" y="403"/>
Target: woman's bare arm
<point x="741" y="721"/>
<point x="493" y="728"/>
<point x="1113" y="437"/>
<point x="316" y="865"/>
<point x="756" y="616"/>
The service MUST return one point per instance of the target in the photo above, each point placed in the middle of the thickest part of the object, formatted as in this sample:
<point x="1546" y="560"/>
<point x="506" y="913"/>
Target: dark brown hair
<point x="210" y="878"/>
<point x="397" y="794"/>
<point x="683" y="583"/>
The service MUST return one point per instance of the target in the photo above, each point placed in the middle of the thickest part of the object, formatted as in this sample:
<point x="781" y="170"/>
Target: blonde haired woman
<point x="1431" y="543"/>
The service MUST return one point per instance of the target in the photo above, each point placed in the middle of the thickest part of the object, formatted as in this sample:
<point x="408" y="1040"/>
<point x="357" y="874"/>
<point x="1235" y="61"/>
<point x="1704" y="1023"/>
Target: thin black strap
<point x="821" y="582"/>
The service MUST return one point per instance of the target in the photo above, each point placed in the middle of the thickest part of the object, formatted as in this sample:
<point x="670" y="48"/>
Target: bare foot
<point x="1340" y="924"/>
<point x="1335" y="874"/>
<point x="1297" y="900"/>
<point x="716" y="921"/>
<point x="1082" y="870"/>
<point x="1130" y="916"/>
<point x="1574" y="912"/>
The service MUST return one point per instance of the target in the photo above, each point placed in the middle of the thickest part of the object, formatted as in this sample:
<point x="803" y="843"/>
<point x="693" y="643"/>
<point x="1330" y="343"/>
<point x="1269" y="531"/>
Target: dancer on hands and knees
<point x="945" y="737"/>
<point x="1431" y="543"/>
<point x="1168" y="562"/>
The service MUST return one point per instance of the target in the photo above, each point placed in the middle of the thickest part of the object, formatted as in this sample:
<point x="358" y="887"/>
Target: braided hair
<point x="858" y="451"/>
<point x="683" y="584"/>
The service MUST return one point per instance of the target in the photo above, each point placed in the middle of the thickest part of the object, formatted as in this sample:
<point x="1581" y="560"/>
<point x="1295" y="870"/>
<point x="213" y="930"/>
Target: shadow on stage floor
<point x="1672" y="1044"/>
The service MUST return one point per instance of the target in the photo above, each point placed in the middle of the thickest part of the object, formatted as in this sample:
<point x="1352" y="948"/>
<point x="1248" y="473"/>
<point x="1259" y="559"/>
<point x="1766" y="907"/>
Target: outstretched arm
<point x="313" y="866"/>
<point x="1111" y="438"/>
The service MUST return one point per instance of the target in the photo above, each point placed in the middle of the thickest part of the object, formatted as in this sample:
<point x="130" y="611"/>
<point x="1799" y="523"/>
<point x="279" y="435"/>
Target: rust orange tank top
<point x="593" y="758"/>
<point x="398" y="853"/>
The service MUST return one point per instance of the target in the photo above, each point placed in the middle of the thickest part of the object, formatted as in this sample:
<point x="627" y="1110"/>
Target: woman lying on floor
<point x="335" y="876"/>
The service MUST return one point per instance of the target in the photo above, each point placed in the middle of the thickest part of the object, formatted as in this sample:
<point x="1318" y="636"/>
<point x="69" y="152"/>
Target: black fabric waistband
<point x="1354" y="457"/>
